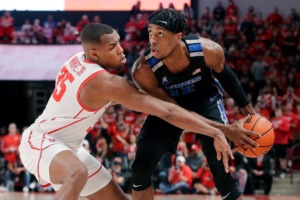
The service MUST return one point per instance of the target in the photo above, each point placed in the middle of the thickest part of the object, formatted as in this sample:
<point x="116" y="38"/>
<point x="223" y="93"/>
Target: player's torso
<point x="65" y="116"/>
<point x="194" y="88"/>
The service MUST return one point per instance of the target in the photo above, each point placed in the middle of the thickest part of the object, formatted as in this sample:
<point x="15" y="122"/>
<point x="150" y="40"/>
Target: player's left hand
<point x="239" y="135"/>
<point x="223" y="150"/>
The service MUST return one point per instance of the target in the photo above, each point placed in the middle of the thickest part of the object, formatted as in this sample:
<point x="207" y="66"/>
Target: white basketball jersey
<point x="65" y="117"/>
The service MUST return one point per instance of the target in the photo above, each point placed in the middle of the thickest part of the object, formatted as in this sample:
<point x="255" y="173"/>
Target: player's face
<point x="162" y="41"/>
<point x="110" y="53"/>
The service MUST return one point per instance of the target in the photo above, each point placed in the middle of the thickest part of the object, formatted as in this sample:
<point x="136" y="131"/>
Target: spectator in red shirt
<point x="82" y="23"/>
<point x="129" y="117"/>
<point x="290" y="96"/>
<point x="120" y="140"/>
<point x="267" y="100"/>
<point x="281" y="128"/>
<point x="132" y="27"/>
<point x="275" y="18"/>
<point x="6" y="27"/>
<point x="70" y="34"/>
<point x="180" y="178"/>
<point x="292" y="118"/>
<point x="204" y="183"/>
<point x="58" y="33"/>
<point x="231" y="33"/>
<point x="10" y="143"/>
<point x="109" y="120"/>
<point x="137" y="125"/>
<point x="257" y="47"/>
<point x="243" y="61"/>
<point x="232" y="8"/>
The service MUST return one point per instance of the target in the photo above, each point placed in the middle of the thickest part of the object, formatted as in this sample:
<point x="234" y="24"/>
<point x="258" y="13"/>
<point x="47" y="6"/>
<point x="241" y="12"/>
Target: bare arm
<point x="120" y="90"/>
<point x="106" y="87"/>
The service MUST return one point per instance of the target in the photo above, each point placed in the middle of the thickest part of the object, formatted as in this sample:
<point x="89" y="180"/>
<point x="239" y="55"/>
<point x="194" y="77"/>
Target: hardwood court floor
<point x="45" y="196"/>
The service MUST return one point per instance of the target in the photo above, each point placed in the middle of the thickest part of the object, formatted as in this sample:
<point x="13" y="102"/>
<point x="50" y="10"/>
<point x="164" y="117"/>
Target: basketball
<point x="262" y="126"/>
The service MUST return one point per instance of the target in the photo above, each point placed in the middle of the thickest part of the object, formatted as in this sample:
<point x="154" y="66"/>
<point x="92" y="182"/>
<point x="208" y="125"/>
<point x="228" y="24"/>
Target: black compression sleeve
<point x="232" y="85"/>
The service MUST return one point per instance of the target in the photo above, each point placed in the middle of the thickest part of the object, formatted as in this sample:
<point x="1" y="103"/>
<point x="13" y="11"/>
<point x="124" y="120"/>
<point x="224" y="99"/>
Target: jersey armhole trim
<point x="83" y="84"/>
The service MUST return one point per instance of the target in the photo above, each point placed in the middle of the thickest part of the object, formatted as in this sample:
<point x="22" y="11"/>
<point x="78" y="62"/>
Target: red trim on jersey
<point x="38" y="169"/>
<point x="43" y="121"/>
<point x="88" y="61"/>
<point x="65" y="126"/>
<point x="35" y="148"/>
<point x="30" y="144"/>
<point x="46" y="185"/>
<point x="83" y="84"/>
<point x="95" y="172"/>
<point x="78" y="114"/>
<point x="53" y="118"/>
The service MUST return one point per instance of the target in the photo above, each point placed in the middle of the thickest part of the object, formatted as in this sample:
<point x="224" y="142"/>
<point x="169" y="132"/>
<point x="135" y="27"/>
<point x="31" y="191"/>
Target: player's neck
<point x="177" y="61"/>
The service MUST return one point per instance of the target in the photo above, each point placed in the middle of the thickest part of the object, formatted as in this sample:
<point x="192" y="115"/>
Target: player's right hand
<point x="223" y="149"/>
<point x="239" y="135"/>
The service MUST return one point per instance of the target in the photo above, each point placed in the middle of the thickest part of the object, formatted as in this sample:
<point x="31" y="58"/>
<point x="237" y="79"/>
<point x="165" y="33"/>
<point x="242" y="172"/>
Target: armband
<point x="232" y="85"/>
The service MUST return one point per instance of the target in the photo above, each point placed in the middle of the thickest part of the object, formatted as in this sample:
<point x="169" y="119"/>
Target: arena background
<point x="27" y="72"/>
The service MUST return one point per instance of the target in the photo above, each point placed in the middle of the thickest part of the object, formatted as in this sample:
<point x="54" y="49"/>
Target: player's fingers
<point x="230" y="153"/>
<point x="252" y="133"/>
<point x="219" y="155"/>
<point x="226" y="161"/>
<point x="244" y="119"/>
<point x="250" y="143"/>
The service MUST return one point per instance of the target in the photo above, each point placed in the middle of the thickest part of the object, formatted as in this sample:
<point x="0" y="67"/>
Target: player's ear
<point x="93" y="54"/>
<point x="178" y="37"/>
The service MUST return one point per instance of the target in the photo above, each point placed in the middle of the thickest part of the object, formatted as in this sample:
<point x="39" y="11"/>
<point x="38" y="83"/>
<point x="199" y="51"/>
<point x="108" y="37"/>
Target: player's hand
<point x="239" y="135"/>
<point x="223" y="150"/>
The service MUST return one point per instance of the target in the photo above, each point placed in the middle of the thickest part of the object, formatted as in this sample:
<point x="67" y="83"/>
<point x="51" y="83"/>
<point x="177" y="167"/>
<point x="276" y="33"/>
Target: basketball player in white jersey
<point x="51" y="148"/>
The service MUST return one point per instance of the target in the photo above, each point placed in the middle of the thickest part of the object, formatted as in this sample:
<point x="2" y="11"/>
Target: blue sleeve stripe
<point x="195" y="47"/>
<point x="219" y="85"/>
<point x="152" y="61"/>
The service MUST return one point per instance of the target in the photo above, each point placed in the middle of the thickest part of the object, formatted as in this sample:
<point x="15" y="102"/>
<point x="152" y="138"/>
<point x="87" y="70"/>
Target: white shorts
<point x="37" y="150"/>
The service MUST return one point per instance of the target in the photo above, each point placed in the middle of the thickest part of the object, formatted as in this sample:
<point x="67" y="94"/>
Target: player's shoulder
<point x="210" y="46"/>
<point x="213" y="52"/>
<point x="140" y="63"/>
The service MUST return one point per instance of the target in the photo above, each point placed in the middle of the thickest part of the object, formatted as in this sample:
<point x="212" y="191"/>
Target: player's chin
<point x="119" y="66"/>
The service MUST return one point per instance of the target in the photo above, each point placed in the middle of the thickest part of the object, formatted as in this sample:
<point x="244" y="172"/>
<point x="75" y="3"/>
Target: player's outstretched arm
<point x="111" y="87"/>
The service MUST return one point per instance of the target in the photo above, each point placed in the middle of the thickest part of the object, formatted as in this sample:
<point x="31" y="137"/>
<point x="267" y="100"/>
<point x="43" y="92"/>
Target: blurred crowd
<point x="264" y="52"/>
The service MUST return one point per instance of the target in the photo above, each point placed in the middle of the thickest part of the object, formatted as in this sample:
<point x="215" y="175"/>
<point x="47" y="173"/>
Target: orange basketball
<point x="262" y="126"/>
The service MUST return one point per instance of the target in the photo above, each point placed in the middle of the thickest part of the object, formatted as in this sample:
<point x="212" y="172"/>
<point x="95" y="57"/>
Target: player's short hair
<point x="170" y="19"/>
<point x="93" y="32"/>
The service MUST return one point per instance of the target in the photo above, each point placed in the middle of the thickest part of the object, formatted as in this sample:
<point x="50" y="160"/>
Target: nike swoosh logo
<point x="167" y="83"/>
<point x="213" y="98"/>
<point x="136" y="185"/>
<point x="226" y="195"/>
